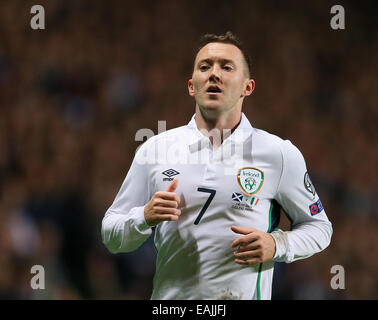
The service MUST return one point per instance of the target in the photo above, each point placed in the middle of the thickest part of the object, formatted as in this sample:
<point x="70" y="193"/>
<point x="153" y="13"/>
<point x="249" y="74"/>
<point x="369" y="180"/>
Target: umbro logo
<point x="170" y="173"/>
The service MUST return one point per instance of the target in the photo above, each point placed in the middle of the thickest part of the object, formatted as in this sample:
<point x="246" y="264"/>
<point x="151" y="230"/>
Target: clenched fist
<point x="163" y="206"/>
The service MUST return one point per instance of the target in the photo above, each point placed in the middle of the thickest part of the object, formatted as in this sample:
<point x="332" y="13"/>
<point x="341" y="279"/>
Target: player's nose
<point x="215" y="74"/>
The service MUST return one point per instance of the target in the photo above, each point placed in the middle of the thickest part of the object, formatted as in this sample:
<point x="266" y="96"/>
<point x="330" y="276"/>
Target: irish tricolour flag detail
<point x="254" y="201"/>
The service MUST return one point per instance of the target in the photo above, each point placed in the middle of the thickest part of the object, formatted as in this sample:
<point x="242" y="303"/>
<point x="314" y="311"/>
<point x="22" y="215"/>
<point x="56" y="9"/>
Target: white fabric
<point x="197" y="261"/>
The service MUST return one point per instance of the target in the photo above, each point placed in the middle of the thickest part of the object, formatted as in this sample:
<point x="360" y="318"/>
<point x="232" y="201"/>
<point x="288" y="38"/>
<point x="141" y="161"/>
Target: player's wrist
<point x="140" y="219"/>
<point x="280" y="240"/>
<point x="274" y="246"/>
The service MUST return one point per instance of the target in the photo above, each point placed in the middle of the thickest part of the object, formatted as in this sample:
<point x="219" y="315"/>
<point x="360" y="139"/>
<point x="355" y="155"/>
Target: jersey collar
<point x="197" y="140"/>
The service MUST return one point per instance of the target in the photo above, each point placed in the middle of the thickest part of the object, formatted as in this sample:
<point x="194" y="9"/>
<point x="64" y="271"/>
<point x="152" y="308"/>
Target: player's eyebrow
<point x="211" y="61"/>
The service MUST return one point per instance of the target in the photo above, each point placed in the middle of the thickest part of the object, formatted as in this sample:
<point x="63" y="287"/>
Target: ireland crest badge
<point x="250" y="180"/>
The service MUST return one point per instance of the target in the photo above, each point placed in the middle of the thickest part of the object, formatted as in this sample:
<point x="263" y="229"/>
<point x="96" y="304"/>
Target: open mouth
<point x="213" y="90"/>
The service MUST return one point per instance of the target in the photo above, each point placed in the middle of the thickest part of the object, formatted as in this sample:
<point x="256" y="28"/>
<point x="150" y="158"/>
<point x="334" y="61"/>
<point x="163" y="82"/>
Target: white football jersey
<point x="245" y="183"/>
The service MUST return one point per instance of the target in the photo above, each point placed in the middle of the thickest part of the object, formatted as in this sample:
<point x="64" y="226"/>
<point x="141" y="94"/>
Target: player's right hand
<point x="163" y="206"/>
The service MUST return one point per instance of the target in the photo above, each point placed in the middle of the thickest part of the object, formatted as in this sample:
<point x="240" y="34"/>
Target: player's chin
<point x="212" y="104"/>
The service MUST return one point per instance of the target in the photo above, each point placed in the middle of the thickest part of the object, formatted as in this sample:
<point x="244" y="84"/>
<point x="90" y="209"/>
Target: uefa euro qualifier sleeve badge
<point x="250" y="180"/>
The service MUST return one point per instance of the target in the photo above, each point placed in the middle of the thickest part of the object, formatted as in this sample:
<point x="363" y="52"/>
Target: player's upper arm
<point x="135" y="189"/>
<point x="124" y="227"/>
<point x="295" y="192"/>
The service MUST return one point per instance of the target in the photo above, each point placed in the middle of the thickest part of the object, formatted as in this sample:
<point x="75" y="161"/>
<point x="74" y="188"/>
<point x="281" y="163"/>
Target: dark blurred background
<point x="73" y="96"/>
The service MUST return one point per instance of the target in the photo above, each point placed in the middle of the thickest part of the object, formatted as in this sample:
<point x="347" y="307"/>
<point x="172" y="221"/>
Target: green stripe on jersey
<point x="270" y="217"/>
<point x="260" y="266"/>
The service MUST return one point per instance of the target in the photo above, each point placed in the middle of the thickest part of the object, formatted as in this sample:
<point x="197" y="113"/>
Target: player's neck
<point x="223" y="123"/>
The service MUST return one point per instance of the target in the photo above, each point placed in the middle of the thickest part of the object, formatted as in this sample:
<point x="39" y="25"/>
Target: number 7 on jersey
<point x="207" y="203"/>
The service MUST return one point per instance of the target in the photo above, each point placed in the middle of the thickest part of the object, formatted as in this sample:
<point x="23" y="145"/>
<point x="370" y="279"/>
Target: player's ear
<point x="190" y="87"/>
<point x="249" y="87"/>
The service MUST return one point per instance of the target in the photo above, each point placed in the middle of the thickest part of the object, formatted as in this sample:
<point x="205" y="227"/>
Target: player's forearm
<point x="303" y="241"/>
<point x="124" y="232"/>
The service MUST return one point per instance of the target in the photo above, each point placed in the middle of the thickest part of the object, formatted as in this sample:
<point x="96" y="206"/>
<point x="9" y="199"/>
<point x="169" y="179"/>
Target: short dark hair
<point x="230" y="38"/>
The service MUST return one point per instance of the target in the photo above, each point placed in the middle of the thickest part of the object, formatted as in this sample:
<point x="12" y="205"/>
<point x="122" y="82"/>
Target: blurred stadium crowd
<point x="73" y="96"/>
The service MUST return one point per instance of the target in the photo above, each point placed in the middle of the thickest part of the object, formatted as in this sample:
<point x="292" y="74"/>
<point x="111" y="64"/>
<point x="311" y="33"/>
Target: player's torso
<point x="214" y="195"/>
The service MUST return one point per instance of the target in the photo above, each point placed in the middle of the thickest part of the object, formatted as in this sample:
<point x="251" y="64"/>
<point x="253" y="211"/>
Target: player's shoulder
<point x="273" y="144"/>
<point x="169" y="136"/>
<point x="178" y="133"/>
